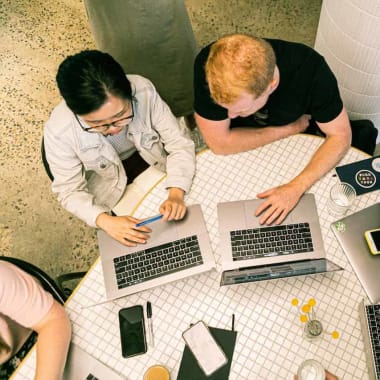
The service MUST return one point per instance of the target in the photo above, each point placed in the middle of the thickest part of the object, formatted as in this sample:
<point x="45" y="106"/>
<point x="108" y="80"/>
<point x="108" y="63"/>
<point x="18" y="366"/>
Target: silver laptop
<point x="175" y="250"/>
<point x="253" y="252"/>
<point x="350" y="233"/>
<point x="82" y="366"/>
<point x="369" y="315"/>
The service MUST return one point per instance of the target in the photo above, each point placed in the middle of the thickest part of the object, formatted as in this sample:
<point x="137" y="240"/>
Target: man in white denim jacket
<point x="126" y="114"/>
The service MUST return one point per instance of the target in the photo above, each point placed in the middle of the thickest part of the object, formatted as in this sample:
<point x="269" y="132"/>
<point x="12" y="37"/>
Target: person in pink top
<point x="26" y="307"/>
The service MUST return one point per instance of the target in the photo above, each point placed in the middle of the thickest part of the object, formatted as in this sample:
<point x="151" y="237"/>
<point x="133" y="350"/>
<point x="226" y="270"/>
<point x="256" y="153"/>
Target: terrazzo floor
<point x="36" y="35"/>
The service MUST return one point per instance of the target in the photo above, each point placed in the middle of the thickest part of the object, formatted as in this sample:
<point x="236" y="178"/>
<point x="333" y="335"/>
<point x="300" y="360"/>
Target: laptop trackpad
<point x="172" y="230"/>
<point x="252" y="221"/>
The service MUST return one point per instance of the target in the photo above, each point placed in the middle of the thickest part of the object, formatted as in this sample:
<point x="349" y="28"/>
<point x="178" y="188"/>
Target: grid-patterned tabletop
<point x="270" y="343"/>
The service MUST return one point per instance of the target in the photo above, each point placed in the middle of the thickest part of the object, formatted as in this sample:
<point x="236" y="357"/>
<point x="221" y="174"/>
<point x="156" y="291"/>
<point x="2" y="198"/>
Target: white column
<point x="348" y="36"/>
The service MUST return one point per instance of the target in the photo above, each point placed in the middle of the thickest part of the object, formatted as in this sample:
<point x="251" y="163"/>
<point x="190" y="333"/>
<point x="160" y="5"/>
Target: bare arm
<point x="221" y="139"/>
<point x="280" y="200"/>
<point x="54" y="333"/>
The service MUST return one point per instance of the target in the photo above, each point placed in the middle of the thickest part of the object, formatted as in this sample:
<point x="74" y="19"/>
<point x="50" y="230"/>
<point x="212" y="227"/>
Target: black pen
<point x="150" y="323"/>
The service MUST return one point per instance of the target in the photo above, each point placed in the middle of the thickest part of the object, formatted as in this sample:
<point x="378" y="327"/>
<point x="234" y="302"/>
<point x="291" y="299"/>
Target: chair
<point x="46" y="281"/>
<point x="364" y="135"/>
<point x="67" y="276"/>
<point x="44" y="161"/>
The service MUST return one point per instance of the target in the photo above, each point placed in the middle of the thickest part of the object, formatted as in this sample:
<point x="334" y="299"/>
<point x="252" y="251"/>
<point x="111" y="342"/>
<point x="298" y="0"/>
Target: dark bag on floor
<point x="364" y="134"/>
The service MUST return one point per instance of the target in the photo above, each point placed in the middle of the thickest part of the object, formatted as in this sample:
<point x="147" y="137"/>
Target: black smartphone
<point x="132" y="331"/>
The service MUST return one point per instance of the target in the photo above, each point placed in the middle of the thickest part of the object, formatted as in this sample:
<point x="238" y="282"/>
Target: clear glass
<point x="313" y="330"/>
<point x="311" y="370"/>
<point x="342" y="196"/>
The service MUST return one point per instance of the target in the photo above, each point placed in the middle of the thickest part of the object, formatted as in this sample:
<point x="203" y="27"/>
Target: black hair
<point x="86" y="79"/>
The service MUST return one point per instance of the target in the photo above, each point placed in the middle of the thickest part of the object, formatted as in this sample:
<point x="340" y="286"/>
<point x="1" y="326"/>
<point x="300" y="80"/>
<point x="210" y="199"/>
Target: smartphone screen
<point x="376" y="239"/>
<point x="205" y="349"/>
<point x="132" y="331"/>
<point x="373" y="240"/>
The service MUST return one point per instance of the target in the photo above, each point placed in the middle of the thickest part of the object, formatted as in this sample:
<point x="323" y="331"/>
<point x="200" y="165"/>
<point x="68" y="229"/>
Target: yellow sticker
<point x="305" y="308"/>
<point x="312" y="302"/>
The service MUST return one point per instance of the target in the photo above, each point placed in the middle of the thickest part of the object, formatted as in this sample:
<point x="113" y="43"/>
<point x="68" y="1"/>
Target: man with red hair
<point x="250" y="92"/>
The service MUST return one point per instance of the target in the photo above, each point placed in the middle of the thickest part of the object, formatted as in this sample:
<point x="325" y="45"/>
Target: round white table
<point x="270" y="342"/>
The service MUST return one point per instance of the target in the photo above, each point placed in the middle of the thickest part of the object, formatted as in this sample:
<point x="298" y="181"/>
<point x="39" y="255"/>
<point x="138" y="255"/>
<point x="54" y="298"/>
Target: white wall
<point x="348" y="36"/>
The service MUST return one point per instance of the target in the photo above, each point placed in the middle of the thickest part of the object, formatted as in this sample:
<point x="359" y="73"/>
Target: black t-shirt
<point x="307" y="86"/>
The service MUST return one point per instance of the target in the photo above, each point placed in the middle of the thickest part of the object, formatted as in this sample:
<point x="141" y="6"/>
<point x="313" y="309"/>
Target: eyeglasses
<point x="124" y="121"/>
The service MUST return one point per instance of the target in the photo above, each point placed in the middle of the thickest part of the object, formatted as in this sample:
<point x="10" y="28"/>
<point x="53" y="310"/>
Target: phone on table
<point x="132" y="331"/>
<point x="204" y="347"/>
<point x="373" y="240"/>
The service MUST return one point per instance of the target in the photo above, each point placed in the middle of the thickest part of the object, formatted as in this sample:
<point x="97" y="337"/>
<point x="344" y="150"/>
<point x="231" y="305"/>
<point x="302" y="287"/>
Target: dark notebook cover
<point x="363" y="175"/>
<point x="189" y="368"/>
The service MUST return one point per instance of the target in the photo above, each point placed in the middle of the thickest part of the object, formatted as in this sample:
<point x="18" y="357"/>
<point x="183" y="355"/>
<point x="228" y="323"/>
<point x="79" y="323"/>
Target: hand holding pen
<point x="123" y="229"/>
<point x="136" y="231"/>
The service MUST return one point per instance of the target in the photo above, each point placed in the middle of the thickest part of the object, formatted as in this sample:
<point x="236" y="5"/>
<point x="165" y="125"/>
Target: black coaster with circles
<point x="363" y="175"/>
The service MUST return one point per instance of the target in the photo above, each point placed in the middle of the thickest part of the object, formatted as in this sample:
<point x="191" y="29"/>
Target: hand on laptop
<point x="277" y="204"/>
<point x="123" y="229"/>
<point x="329" y="376"/>
<point x="174" y="207"/>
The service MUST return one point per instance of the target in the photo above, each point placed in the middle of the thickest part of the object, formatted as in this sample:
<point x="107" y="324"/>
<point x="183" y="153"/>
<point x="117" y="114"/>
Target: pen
<point x="149" y="220"/>
<point x="150" y="323"/>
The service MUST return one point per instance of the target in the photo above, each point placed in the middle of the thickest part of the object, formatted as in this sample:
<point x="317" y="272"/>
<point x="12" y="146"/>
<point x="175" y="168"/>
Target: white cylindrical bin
<point x="348" y="36"/>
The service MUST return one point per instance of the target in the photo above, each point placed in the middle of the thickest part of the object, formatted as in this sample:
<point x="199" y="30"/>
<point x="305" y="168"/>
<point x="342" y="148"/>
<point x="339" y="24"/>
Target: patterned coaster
<point x="363" y="175"/>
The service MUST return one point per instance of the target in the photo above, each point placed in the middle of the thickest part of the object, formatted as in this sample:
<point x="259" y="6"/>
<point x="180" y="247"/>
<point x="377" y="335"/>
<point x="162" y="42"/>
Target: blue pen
<point x="150" y="220"/>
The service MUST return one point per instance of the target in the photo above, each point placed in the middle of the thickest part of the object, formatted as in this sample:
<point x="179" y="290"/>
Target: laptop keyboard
<point x="157" y="261"/>
<point x="271" y="241"/>
<point x="373" y="318"/>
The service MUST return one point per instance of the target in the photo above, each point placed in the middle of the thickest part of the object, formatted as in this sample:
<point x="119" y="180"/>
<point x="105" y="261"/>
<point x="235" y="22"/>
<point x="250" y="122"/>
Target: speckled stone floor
<point x="35" y="37"/>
